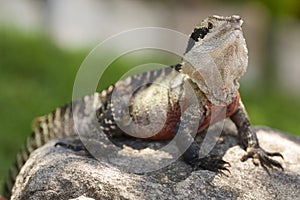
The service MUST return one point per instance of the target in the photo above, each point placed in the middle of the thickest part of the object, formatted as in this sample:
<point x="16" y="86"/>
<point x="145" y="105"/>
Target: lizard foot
<point x="212" y="163"/>
<point x="74" y="144"/>
<point x="263" y="157"/>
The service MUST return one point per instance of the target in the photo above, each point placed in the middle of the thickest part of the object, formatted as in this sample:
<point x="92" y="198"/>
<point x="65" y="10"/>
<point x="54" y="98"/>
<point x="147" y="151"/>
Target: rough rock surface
<point x="58" y="173"/>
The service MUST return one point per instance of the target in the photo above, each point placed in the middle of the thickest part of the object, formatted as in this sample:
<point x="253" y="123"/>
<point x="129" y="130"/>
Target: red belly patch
<point x="174" y="114"/>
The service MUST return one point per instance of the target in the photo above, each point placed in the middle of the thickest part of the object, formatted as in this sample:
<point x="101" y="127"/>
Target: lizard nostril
<point x="236" y="18"/>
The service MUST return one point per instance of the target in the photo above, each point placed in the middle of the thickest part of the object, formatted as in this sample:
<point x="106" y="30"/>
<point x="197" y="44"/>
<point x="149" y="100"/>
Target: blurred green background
<point x="37" y="71"/>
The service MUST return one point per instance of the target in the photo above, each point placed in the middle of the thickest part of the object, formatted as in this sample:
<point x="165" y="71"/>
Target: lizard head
<point x="216" y="57"/>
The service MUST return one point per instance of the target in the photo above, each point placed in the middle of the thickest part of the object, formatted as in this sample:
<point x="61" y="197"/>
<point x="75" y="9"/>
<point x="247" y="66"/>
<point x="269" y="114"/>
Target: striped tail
<point x="58" y="124"/>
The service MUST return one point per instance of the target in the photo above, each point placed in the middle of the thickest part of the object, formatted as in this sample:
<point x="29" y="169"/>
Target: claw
<point x="265" y="168"/>
<point x="262" y="157"/>
<point x="227" y="164"/>
<point x="212" y="163"/>
<point x="275" y="154"/>
<point x="275" y="163"/>
<point x="222" y="169"/>
<point x="246" y="157"/>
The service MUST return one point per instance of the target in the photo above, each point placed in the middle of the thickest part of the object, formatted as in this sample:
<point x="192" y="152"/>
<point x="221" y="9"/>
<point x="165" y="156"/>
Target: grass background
<point x="36" y="76"/>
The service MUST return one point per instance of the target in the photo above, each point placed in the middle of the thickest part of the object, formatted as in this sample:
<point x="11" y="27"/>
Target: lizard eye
<point x="210" y="25"/>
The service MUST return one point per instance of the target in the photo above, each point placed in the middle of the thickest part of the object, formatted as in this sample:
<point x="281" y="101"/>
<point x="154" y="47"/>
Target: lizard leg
<point x="213" y="163"/>
<point x="250" y="142"/>
<point x="192" y="155"/>
<point x="74" y="144"/>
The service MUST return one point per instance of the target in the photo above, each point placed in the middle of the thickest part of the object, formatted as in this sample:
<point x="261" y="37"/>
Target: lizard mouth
<point x="237" y="28"/>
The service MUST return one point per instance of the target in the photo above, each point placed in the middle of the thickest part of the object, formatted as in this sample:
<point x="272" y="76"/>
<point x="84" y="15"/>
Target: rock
<point x="58" y="173"/>
<point x="82" y="198"/>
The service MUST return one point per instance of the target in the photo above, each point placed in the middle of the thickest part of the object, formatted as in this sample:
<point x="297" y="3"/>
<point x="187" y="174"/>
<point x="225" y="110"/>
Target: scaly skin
<point x="162" y="105"/>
